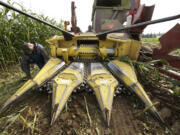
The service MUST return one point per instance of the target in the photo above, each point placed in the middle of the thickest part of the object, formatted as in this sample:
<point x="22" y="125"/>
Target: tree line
<point x="152" y="35"/>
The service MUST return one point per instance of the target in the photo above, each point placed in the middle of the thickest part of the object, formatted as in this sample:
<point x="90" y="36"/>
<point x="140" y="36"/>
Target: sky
<point x="61" y="10"/>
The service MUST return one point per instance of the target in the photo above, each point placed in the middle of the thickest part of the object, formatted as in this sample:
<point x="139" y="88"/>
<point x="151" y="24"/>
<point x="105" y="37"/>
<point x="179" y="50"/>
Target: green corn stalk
<point x="16" y="29"/>
<point x="4" y="68"/>
<point x="11" y="119"/>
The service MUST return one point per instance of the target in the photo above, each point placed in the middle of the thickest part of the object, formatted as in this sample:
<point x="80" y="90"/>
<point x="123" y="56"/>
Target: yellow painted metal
<point x="103" y="52"/>
<point x="121" y="47"/>
<point x="134" y="49"/>
<point x="63" y="85"/>
<point x="53" y="50"/>
<point x="127" y="74"/>
<point x="49" y="70"/>
<point x="74" y="52"/>
<point x="46" y="73"/>
<point x="103" y="84"/>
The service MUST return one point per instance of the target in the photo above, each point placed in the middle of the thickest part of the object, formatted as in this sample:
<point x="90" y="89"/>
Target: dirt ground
<point x="74" y="119"/>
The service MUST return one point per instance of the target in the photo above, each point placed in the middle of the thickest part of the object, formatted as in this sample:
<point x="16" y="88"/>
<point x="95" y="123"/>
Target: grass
<point x="151" y="40"/>
<point x="151" y="43"/>
<point x="11" y="81"/>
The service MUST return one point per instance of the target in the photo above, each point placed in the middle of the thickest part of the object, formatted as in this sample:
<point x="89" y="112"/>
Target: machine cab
<point x="109" y="14"/>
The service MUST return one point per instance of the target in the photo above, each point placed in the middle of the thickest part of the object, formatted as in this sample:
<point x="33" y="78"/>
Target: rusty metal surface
<point x="73" y="16"/>
<point x="74" y="27"/>
<point x="170" y="74"/>
<point x="135" y="4"/>
<point x="169" y="42"/>
<point x="144" y="13"/>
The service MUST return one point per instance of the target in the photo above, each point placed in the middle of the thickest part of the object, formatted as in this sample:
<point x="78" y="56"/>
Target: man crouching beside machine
<point x="33" y="53"/>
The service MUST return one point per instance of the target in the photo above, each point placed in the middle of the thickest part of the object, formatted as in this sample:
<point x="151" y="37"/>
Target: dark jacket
<point x="38" y="51"/>
<point x="38" y="56"/>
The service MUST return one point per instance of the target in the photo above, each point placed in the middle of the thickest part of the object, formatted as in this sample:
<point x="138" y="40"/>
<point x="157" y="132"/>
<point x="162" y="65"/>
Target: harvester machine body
<point x="80" y="61"/>
<point x="84" y="56"/>
<point x="91" y="48"/>
<point x="108" y="15"/>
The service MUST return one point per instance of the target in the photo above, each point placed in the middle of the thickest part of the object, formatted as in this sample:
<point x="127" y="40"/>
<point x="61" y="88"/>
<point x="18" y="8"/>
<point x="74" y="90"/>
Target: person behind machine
<point x="33" y="53"/>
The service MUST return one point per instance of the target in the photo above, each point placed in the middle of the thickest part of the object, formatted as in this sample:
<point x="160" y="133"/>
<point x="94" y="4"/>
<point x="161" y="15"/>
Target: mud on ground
<point x="74" y="119"/>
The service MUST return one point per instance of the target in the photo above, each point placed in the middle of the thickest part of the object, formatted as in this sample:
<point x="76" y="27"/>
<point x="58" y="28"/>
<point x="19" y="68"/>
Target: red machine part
<point x="170" y="73"/>
<point x="140" y="13"/>
<point x="143" y="14"/>
<point x="169" y="42"/>
<point x="135" y="4"/>
<point x="73" y="17"/>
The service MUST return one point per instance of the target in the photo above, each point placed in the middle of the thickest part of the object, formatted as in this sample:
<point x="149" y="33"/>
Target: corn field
<point x="17" y="29"/>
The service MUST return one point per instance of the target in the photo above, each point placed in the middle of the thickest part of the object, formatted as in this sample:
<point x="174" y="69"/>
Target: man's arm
<point x="25" y="66"/>
<point x="43" y="53"/>
<point x="25" y="57"/>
